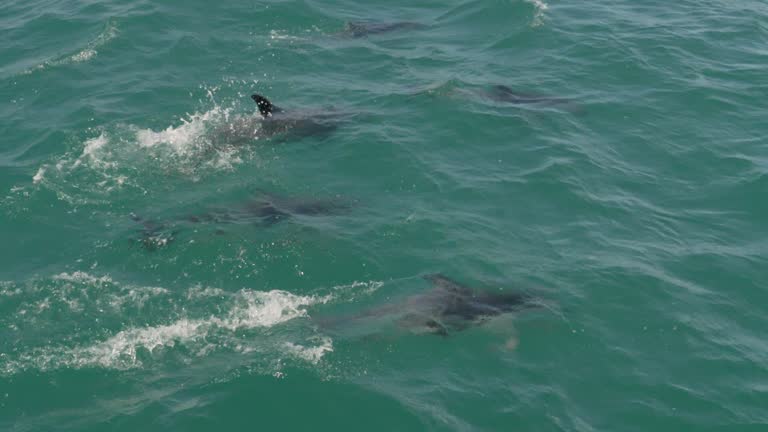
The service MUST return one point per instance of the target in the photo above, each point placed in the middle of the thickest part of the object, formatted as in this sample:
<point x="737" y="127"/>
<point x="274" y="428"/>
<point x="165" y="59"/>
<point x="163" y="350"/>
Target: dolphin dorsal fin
<point x="510" y="95"/>
<point x="441" y="281"/>
<point x="503" y="89"/>
<point x="265" y="106"/>
<point x="353" y="27"/>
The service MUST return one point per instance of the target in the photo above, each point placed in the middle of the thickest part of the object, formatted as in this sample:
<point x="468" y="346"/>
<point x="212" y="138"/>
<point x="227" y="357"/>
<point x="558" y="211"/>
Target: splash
<point x="121" y="156"/>
<point x="312" y="354"/>
<point x="186" y="139"/>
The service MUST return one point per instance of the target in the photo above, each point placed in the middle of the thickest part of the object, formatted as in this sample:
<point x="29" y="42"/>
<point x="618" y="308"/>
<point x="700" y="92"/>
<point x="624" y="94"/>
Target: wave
<point x="84" y="54"/>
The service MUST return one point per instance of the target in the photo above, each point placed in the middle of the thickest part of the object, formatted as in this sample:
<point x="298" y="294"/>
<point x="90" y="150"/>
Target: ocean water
<point x="619" y="179"/>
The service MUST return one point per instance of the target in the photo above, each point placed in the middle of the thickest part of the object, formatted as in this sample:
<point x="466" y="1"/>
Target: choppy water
<point x="633" y="207"/>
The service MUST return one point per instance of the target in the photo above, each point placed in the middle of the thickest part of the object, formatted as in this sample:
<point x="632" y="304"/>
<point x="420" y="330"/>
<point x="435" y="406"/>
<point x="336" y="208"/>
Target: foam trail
<point x="260" y="309"/>
<point x="261" y="326"/>
<point x="131" y="347"/>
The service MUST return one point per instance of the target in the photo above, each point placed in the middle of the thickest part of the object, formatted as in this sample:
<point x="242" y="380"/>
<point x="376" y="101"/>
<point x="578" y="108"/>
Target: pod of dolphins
<point x="446" y="308"/>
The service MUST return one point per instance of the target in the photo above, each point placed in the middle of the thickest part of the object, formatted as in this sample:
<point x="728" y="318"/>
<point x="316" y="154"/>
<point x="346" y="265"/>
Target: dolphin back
<point x="445" y="283"/>
<point x="362" y="28"/>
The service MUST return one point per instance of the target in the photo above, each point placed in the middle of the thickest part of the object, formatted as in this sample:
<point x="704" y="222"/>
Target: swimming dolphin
<point x="276" y="124"/>
<point x="447" y="308"/>
<point x="363" y="28"/>
<point x="265" y="210"/>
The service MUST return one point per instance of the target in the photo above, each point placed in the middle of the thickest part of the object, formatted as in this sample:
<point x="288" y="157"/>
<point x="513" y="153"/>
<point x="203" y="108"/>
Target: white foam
<point x="312" y="354"/>
<point x="181" y="138"/>
<point x="9" y="289"/>
<point x="39" y="175"/>
<point x="265" y="309"/>
<point x="96" y="157"/>
<point x="252" y="309"/>
<point x="199" y="291"/>
<point x="83" y="278"/>
<point x="79" y="291"/>
<point x="91" y="149"/>
<point x="356" y="289"/>
<point x="192" y="139"/>
<point x="120" y="155"/>
<point x="83" y="55"/>
<point x="282" y="35"/>
<point x="136" y="296"/>
<point x="109" y="33"/>
<point x="367" y="287"/>
<point x="239" y="322"/>
<point x="120" y="351"/>
<point x="539" y="9"/>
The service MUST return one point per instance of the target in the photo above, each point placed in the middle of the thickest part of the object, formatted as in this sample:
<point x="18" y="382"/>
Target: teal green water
<point x="635" y="212"/>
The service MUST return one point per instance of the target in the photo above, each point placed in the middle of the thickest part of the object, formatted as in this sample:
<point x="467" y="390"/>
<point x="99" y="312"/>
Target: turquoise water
<point x="630" y="203"/>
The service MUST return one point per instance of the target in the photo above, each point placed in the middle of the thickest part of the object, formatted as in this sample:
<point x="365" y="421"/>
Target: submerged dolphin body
<point x="504" y="94"/>
<point x="362" y="28"/>
<point x="276" y="124"/>
<point x="264" y="211"/>
<point x="154" y="235"/>
<point x="270" y="209"/>
<point x="501" y="95"/>
<point x="447" y="308"/>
